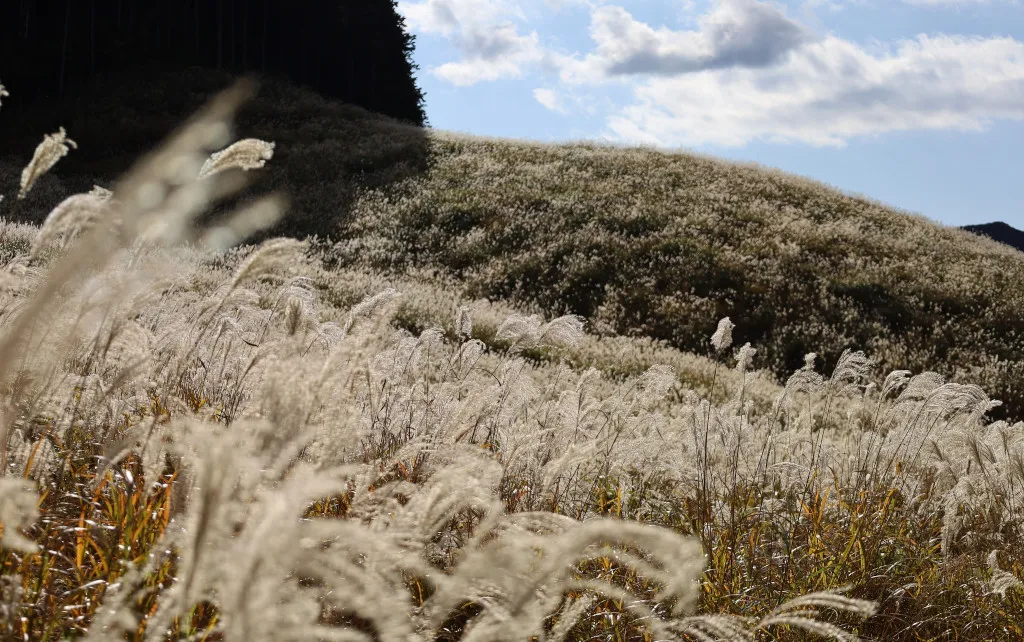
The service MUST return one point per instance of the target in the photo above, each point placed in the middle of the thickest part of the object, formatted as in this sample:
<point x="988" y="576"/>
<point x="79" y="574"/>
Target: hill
<point x="313" y="440"/>
<point x="1001" y="232"/>
<point x="645" y="242"/>
<point x="637" y="241"/>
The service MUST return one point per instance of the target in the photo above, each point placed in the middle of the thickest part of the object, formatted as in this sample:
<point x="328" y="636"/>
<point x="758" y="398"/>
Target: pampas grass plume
<point x="102" y="194"/>
<point x="722" y="338"/>
<point x="246" y="154"/>
<point x="53" y="148"/>
<point x="803" y="613"/>
<point x="267" y="258"/>
<point x="17" y="509"/>
<point x="464" y="323"/>
<point x="72" y="215"/>
<point x="1002" y="581"/>
<point x="745" y="356"/>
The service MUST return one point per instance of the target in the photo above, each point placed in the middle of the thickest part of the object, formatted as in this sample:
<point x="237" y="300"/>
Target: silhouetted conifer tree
<point x="355" y="50"/>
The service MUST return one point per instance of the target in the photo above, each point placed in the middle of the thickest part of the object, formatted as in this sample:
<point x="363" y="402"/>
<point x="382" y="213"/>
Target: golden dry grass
<point x="281" y="442"/>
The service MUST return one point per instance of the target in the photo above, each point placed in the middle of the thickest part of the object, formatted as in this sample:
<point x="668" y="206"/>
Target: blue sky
<point x="917" y="103"/>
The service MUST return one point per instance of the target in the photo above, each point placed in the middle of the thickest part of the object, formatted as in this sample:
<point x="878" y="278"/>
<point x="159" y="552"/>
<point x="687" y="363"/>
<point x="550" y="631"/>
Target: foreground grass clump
<point x="201" y="443"/>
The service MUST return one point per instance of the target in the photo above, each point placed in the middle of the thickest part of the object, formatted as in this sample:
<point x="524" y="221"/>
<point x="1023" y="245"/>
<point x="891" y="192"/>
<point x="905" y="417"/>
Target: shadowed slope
<point x="326" y="151"/>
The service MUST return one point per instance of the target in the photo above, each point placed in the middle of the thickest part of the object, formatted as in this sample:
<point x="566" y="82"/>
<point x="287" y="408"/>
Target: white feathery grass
<point x="744" y="358"/>
<point x="370" y="307"/>
<point x="722" y="338"/>
<point x="342" y="477"/>
<point x="71" y="217"/>
<point x="803" y="613"/>
<point x="53" y="148"/>
<point x="464" y="323"/>
<point x="246" y="154"/>
<point x="101" y="193"/>
<point x="716" y="628"/>
<point x="528" y="332"/>
<point x="852" y="369"/>
<point x="1002" y="581"/>
<point x="18" y="510"/>
<point x="569" y="615"/>
<point x="271" y="256"/>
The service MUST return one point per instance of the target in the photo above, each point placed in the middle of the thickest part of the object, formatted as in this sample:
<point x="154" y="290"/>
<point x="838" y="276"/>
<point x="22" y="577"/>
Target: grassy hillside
<point x="306" y="440"/>
<point x="664" y="245"/>
<point x="638" y="242"/>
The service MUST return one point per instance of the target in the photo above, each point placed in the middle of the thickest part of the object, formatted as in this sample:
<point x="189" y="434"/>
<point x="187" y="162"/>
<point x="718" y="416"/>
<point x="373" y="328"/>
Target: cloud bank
<point x="746" y="71"/>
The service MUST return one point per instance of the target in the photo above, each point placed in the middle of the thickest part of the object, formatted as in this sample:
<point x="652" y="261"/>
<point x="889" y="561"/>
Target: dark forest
<point x="357" y="51"/>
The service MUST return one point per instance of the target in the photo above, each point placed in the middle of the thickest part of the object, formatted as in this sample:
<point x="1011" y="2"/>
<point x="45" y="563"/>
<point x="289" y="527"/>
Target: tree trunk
<point x="245" y="34"/>
<point x="64" y="49"/>
<point x="220" y="34"/>
<point x="266" y="20"/>
<point x="92" y="39"/>
<point x="28" y="13"/>
<point x="233" y="19"/>
<point x="350" y="97"/>
<point x="199" y="53"/>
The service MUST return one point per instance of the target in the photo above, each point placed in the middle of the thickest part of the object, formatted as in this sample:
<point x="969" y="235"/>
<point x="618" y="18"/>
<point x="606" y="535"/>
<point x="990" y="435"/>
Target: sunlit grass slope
<point x="644" y="242"/>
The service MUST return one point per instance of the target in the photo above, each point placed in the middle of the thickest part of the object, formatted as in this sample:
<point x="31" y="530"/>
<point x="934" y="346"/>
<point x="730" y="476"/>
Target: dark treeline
<point x="355" y="50"/>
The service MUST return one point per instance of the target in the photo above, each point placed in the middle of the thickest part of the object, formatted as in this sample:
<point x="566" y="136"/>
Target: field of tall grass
<point x="424" y="431"/>
<point x="639" y="242"/>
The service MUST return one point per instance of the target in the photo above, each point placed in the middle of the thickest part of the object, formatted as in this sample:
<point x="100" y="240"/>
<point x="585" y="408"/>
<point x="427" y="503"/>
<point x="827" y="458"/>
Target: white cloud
<point x="550" y="99"/>
<point x="744" y="71"/>
<point x="447" y="17"/>
<point x="838" y="4"/>
<point x="491" y="55"/>
<point x="734" y="33"/>
<point x="830" y="91"/>
<point x="946" y="2"/>
<point x="561" y="4"/>
<point x="491" y="46"/>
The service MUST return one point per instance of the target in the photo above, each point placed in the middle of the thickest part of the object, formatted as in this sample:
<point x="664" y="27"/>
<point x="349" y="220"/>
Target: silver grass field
<point x="205" y="440"/>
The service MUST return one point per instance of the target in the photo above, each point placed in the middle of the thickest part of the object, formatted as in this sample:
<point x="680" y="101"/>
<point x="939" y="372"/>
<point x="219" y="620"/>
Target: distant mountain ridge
<point x="999" y="231"/>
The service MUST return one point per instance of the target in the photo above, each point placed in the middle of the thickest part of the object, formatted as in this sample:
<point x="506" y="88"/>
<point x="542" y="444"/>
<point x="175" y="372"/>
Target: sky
<point x="915" y="103"/>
